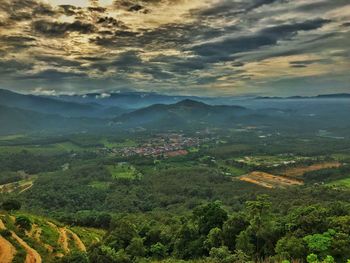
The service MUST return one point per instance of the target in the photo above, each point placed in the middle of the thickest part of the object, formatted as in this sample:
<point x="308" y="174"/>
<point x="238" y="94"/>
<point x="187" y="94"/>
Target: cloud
<point x="203" y="46"/>
<point x="57" y="29"/>
<point x="54" y="75"/>
<point x="222" y="49"/>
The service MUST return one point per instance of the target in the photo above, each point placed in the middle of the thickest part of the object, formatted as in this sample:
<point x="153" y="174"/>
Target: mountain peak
<point x="191" y="103"/>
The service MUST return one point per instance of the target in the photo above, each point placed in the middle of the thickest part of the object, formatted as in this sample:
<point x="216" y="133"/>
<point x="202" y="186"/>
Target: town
<point x="165" y="145"/>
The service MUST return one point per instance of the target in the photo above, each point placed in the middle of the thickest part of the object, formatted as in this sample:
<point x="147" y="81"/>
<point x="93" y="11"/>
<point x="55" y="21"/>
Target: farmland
<point x="123" y="171"/>
<point x="270" y="181"/>
<point x="300" y="171"/>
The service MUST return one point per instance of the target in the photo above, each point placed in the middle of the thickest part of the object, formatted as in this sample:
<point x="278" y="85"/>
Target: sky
<point x="197" y="47"/>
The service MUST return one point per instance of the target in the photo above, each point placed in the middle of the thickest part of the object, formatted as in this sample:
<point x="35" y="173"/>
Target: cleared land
<point x="7" y="251"/>
<point x="20" y="186"/>
<point x="270" y="181"/>
<point x="122" y="171"/>
<point x="299" y="171"/>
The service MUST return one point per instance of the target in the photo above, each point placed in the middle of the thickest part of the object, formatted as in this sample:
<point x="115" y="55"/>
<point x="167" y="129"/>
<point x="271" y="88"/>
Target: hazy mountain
<point x="181" y="114"/>
<point x="323" y="96"/>
<point x="51" y="105"/>
<point x="127" y="100"/>
<point x="14" y="120"/>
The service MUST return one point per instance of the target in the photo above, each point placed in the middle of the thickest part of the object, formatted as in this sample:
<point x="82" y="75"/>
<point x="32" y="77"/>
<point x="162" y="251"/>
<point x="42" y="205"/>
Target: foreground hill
<point x="33" y="239"/>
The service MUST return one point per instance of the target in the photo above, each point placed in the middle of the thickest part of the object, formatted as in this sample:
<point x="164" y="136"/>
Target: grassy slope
<point x="44" y="236"/>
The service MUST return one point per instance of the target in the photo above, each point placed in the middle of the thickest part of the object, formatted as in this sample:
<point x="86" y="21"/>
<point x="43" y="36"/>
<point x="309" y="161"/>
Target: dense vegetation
<point x="191" y="207"/>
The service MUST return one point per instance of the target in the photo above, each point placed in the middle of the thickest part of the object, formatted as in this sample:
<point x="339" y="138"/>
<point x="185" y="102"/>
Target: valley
<point x="181" y="182"/>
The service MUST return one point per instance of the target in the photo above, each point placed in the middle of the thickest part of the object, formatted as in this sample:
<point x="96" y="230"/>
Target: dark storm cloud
<point x="20" y="10"/>
<point x="222" y="50"/>
<point x="127" y="60"/>
<point x="228" y="7"/>
<point x="110" y="22"/>
<point x="57" y="29"/>
<point x="321" y="6"/>
<point x="16" y="43"/>
<point x="58" y="61"/>
<point x="69" y="10"/>
<point x="55" y="75"/>
<point x="305" y="63"/>
<point x="13" y="66"/>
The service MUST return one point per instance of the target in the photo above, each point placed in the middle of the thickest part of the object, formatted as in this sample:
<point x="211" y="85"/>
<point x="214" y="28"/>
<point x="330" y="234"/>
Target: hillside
<point x="33" y="239"/>
<point x="127" y="100"/>
<point x="52" y="105"/>
<point x="183" y="114"/>
<point x="15" y="120"/>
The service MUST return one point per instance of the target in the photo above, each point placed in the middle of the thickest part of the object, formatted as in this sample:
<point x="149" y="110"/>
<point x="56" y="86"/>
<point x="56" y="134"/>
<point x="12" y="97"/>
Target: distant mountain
<point x="14" y="120"/>
<point x="324" y="96"/>
<point x="51" y="105"/>
<point x="126" y="100"/>
<point x="182" y="114"/>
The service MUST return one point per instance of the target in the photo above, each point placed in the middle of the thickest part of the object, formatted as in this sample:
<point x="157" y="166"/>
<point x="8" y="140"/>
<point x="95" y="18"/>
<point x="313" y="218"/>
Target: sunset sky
<point x="200" y="47"/>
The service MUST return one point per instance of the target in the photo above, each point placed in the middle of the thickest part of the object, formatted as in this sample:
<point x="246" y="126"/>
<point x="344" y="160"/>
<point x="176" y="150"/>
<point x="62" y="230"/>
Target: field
<point x="270" y="181"/>
<point x="271" y="161"/>
<point x="18" y="187"/>
<point x="342" y="182"/>
<point x="111" y="144"/>
<point x="42" y="149"/>
<point x="299" y="171"/>
<point x="124" y="171"/>
<point x="231" y="170"/>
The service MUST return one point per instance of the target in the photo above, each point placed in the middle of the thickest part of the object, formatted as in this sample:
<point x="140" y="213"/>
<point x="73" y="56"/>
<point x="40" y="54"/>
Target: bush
<point x="5" y="233"/>
<point x="23" y="222"/>
<point x="11" y="205"/>
<point x="75" y="257"/>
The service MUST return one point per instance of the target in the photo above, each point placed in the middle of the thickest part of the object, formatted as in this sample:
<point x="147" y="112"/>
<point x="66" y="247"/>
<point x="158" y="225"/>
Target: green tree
<point x="312" y="258"/>
<point x="291" y="247"/>
<point x="261" y="225"/>
<point x="210" y="216"/>
<point x="158" y="251"/>
<point x="240" y="257"/>
<point x="320" y="243"/>
<point x="136" y="248"/>
<point x="75" y="257"/>
<point x="214" y="238"/>
<point x="244" y="243"/>
<point x="23" y="222"/>
<point x="11" y="205"/>
<point x="231" y="229"/>
<point x="221" y="255"/>
<point x="105" y="254"/>
<point x="188" y="243"/>
<point x="120" y="237"/>
<point x="328" y="259"/>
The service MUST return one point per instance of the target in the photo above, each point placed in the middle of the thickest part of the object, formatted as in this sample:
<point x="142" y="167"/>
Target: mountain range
<point x="21" y="113"/>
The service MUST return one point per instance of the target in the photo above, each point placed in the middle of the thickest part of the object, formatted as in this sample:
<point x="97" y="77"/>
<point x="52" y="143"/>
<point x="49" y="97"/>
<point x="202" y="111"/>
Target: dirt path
<point x="26" y="187"/>
<point x="63" y="240"/>
<point x="2" y="225"/>
<point x="32" y="255"/>
<point x="80" y="245"/>
<point x="7" y="251"/>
